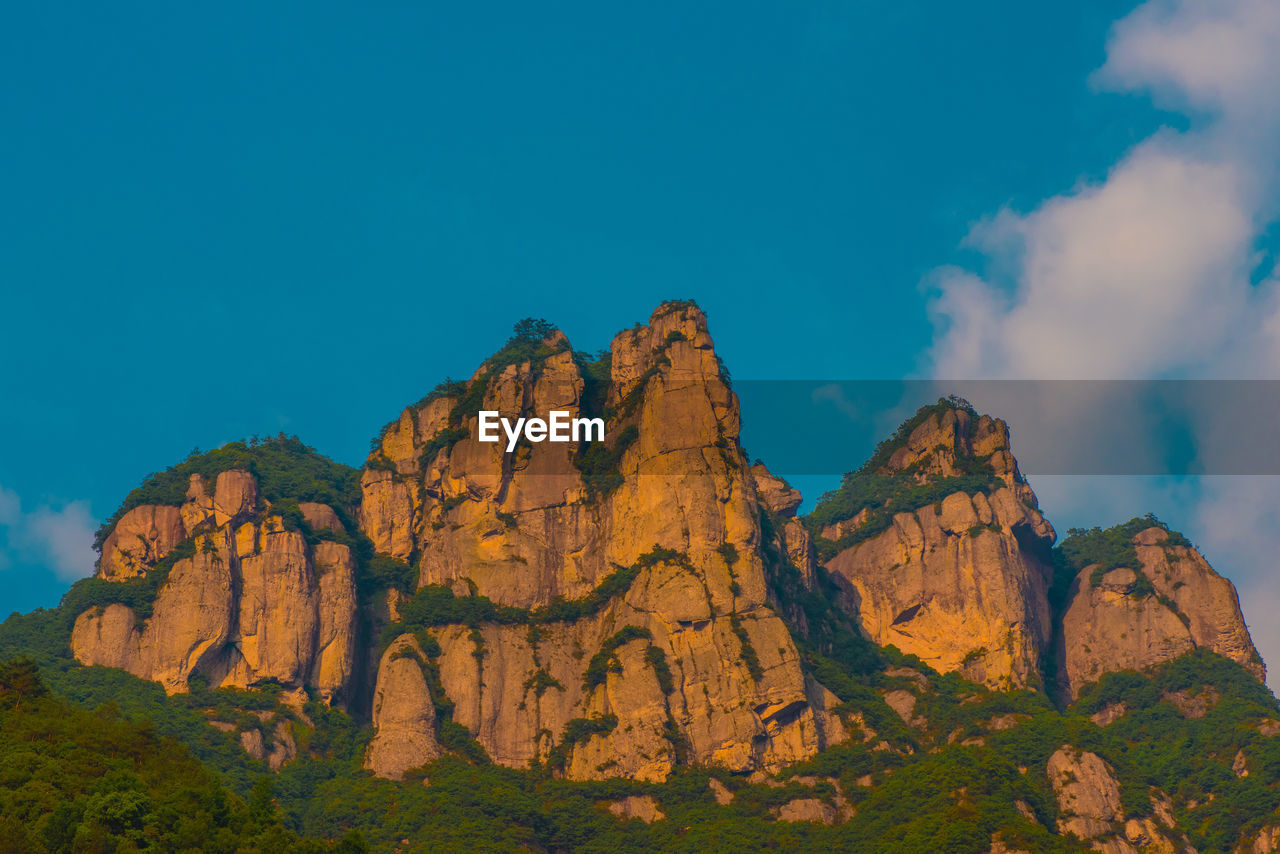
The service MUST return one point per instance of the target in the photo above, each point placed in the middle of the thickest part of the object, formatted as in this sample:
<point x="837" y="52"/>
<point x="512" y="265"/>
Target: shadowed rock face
<point x="254" y="603"/>
<point x="527" y="528"/>
<point x="1116" y="625"/>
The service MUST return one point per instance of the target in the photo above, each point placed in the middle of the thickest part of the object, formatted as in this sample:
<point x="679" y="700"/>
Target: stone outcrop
<point x="404" y="717"/>
<point x="775" y="493"/>
<point x="139" y="540"/>
<point x="253" y="603"/>
<point x="962" y="582"/>
<point x="941" y="444"/>
<point x="529" y="528"/>
<point x="643" y="807"/>
<point x="1267" y="841"/>
<point x="1119" y="623"/>
<point x="190" y="624"/>
<point x="1088" y="797"/>
<point x="1087" y="791"/>
<point x="793" y="538"/>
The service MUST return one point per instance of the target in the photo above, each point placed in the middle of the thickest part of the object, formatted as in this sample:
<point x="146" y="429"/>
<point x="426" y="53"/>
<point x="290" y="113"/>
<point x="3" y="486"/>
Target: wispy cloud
<point x="1147" y="273"/>
<point x="1152" y="272"/>
<point x="59" y="538"/>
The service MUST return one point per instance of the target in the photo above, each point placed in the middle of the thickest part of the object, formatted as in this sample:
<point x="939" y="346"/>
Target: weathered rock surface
<point x="961" y="583"/>
<point x="775" y="493"/>
<point x="807" y="809"/>
<point x="334" y="662"/>
<point x="525" y="529"/>
<point x="235" y="495"/>
<point x="1116" y="625"/>
<point x="939" y="446"/>
<point x="404" y="717"/>
<point x="1267" y="841"/>
<point x="1089" y="799"/>
<point x="954" y="585"/>
<point x="643" y="807"/>
<point x="1087" y="791"/>
<point x="188" y="629"/>
<point x="255" y="602"/>
<point x="321" y="517"/>
<point x="139" y="540"/>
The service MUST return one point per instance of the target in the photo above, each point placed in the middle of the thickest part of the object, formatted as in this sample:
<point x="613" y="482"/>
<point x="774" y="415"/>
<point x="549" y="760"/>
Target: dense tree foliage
<point x="80" y="780"/>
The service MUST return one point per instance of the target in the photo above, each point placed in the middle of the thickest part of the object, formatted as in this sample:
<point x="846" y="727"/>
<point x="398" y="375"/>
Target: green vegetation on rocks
<point x="1113" y="548"/>
<point x="883" y="493"/>
<point x="286" y="470"/>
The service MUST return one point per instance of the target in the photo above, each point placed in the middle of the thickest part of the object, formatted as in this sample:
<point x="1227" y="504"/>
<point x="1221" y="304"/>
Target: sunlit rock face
<point x="530" y="528"/>
<point x="254" y="603"/>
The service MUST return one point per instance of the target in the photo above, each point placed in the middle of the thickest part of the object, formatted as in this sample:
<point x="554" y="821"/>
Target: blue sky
<point x="215" y="223"/>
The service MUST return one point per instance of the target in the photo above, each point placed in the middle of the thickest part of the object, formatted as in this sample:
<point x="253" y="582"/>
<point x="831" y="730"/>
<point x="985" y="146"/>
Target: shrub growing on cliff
<point x="286" y="469"/>
<point x="1113" y="547"/>
<point x="886" y="493"/>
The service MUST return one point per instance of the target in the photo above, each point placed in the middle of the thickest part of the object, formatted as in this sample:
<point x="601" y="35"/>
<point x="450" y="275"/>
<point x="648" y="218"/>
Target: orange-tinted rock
<point x="320" y="517"/>
<point x="961" y="594"/>
<point x="404" y="717"/>
<point x="139" y="540"/>
<point x="525" y="529"/>
<point x="236" y="494"/>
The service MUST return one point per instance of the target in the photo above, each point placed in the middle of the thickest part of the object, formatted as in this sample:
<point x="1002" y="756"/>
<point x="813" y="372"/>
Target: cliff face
<point x="955" y="587"/>
<point x="252" y="602"/>
<point x="961" y="581"/>
<point x="1132" y="618"/>
<point x="615" y="608"/>
<point x="690" y="664"/>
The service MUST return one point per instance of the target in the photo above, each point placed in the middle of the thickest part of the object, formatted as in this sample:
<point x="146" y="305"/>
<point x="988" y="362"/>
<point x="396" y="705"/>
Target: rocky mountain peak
<point x="224" y="577"/>
<point x="951" y="439"/>
<point x="662" y="515"/>
<point x="620" y="607"/>
<point x="1141" y="594"/>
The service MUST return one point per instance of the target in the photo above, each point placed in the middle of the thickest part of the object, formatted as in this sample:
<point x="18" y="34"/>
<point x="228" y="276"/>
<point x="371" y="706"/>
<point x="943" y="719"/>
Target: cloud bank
<point x="61" y="539"/>
<point x="1159" y="270"/>
<point x="1150" y="272"/>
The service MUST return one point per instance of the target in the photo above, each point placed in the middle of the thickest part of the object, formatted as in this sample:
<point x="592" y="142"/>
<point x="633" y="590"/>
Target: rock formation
<point x="253" y="602"/>
<point x="689" y="657"/>
<point x="617" y="608"/>
<point x="404" y="716"/>
<point x="962" y="581"/>
<point x="1133" y="618"/>
<point x="1090" y="808"/>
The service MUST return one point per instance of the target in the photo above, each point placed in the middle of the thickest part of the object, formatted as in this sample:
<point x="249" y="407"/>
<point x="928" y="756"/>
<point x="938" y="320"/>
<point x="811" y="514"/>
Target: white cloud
<point x="61" y="539"/>
<point x="1147" y="273"/>
<point x="1152" y="272"/>
<point x="1207" y="55"/>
